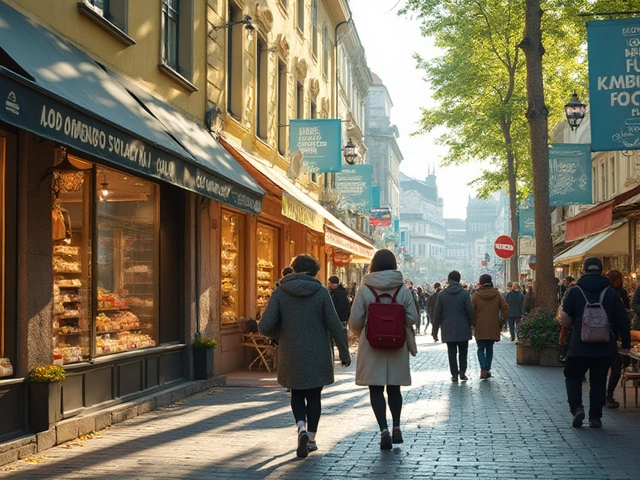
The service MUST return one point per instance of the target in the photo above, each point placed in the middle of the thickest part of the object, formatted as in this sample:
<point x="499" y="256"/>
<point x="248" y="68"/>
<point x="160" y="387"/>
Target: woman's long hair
<point x="383" y="259"/>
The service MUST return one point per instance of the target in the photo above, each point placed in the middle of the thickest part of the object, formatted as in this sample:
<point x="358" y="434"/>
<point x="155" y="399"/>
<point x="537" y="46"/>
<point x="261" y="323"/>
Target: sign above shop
<point x="33" y="110"/>
<point x="341" y="259"/>
<point x="569" y="174"/>
<point x="295" y="210"/>
<point x="614" y="62"/>
<point x="504" y="247"/>
<point x="319" y="141"/>
<point x="380" y="217"/>
<point x="354" y="185"/>
<point x="339" y="241"/>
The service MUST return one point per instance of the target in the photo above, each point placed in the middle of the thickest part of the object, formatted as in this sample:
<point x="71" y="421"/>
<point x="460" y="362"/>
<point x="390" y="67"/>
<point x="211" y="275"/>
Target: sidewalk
<point x="515" y="425"/>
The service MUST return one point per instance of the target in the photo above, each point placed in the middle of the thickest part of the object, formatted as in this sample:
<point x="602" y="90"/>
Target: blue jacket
<point x="515" y="300"/>
<point x="454" y="314"/>
<point x="574" y="304"/>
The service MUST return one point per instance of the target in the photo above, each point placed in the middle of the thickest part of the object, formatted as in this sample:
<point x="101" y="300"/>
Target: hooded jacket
<point x="376" y="366"/>
<point x="300" y="314"/>
<point x="592" y="284"/>
<point x="341" y="302"/>
<point x="515" y="300"/>
<point x="454" y="314"/>
<point x="491" y="312"/>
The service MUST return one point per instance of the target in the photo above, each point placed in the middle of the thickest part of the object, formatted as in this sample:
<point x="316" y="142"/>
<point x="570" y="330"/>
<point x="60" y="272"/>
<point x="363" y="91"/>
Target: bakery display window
<point x="70" y="215"/>
<point x="232" y="266"/>
<point x="105" y="263"/>
<point x="127" y="260"/>
<point x="267" y="253"/>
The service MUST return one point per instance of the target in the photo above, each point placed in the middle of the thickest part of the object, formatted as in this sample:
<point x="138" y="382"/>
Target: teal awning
<point x="53" y="89"/>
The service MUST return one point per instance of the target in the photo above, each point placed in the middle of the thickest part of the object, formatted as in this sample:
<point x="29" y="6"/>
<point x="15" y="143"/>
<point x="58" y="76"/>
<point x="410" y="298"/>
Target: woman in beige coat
<point x="377" y="368"/>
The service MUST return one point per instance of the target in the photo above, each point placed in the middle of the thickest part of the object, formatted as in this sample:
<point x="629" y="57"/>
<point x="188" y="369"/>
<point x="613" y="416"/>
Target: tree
<point x="479" y="86"/>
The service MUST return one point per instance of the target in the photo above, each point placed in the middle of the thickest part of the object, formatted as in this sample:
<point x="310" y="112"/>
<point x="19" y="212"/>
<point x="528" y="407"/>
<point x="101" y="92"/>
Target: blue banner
<point x="376" y="195"/>
<point x="569" y="174"/>
<point x="320" y="141"/>
<point x="354" y="185"/>
<point x="614" y="84"/>
<point x="526" y="221"/>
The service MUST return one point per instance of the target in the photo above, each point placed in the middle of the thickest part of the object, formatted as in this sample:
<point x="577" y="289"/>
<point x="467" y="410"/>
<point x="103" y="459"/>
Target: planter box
<point x="45" y="405"/>
<point x="526" y="355"/>
<point x="203" y="363"/>
<point x="549" y="357"/>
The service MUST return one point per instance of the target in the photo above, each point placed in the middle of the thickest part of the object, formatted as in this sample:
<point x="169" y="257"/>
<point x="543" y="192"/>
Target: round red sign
<point x="504" y="246"/>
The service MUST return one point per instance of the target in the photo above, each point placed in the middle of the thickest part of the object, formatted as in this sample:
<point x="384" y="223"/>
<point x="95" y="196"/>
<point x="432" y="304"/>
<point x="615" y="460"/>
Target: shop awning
<point x="337" y="234"/>
<point x="56" y="91"/>
<point x="607" y="244"/>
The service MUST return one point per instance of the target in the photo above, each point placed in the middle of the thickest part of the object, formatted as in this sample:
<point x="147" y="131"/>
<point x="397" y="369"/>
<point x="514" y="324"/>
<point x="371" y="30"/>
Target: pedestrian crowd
<point x="385" y="312"/>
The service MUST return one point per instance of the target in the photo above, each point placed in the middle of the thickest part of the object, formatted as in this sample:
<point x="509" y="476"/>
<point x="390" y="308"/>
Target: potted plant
<point x="538" y="333"/>
<point x="203" y="357"/>
<point x="45" y="396"/>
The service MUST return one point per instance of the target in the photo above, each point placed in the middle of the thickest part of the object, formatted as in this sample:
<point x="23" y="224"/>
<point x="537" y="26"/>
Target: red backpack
<point x="385" y="322"/>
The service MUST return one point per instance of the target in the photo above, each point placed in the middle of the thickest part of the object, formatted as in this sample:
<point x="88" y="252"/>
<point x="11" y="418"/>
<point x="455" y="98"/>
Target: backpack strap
<point x="374" y="292"/>
<point x="379" y="296"/>
<point x="393" y="300"/>
<point x="602" y="294"/>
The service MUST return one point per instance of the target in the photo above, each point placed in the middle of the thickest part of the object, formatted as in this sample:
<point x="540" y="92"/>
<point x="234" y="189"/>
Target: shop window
<point x="105" y="290"/>
<point x="267" y="253"/>
<point x="232" y="266"/>
<point x="234" y="62"/>
<point x="177" y="41"/>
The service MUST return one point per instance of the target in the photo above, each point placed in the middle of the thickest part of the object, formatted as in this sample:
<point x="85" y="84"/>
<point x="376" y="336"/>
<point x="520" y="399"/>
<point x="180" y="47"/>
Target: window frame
<point x="182" y="71"/>
<point x="300" y="6"/>
<point x="262" y="88"/>
<point x="314" y="28"/>
<point x="281" y="108"/>
<point x="115" y="25"/>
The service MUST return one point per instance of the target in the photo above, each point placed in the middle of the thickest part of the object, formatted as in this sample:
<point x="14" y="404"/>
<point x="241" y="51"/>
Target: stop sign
<point x="504" y="246"/>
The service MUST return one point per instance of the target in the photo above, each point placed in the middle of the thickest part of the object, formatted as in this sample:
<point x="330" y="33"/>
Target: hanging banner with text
<point x="526" y="221"/>
<point x="376" y="195"/>
<point x="569" y="174"/>
<point x="614" y="84"/>
<point x="320" y="141"/>
<point x="354" y="185"/>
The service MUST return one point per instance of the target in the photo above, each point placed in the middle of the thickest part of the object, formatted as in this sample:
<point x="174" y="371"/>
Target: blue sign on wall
<point x="526" y="220"/>
<point x="320" y="141"/>
<point x="614" y="84"/>
<point x="569" y="174"/>
<point x="354" y="185"/>
<point x="376" y="195"/>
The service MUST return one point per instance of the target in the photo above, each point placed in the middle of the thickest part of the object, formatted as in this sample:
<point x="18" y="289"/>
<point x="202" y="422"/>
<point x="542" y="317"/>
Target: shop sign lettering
<point x="319" y="141"/>
<point x="301" y="213"/>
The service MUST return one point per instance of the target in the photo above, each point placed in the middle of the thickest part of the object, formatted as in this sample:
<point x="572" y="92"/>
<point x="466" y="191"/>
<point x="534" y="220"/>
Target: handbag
<point x="412" y="346"/>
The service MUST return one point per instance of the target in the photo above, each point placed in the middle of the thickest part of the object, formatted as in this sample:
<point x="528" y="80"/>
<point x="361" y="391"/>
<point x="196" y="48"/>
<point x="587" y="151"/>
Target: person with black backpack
<point x="598" y="317"/>
<point x="383" y="350"/>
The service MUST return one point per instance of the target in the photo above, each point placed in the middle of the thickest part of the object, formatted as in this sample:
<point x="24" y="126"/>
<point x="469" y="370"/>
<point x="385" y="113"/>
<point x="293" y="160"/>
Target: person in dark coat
<point x="340" y="299"/>
<point x="300" y="314"/>
<point x="515" y="300"/>
<point x="454" y="315"/>
<point x="529" y="298"/>
<point x="431" y="301"/>
<point x="593" y="357"/>
<point x="619" y="361"/>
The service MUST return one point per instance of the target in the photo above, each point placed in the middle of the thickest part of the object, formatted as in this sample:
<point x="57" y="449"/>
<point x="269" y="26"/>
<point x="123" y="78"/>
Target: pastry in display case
<point x="267" y="244"/>
<point x="230" y="267"/>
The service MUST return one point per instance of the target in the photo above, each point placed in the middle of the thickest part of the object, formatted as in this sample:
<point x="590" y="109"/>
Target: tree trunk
<point x="513" y="200"/>
<point x="537" y="113"/>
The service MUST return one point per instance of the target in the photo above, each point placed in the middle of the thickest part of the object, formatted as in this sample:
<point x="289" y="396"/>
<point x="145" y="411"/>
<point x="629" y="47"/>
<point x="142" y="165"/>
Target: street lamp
<point x="350" y="152"/>
<point x="247" y="21"/>
<point x="575" y="110"/>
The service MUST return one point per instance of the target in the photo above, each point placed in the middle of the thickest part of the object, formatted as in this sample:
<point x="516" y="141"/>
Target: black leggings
<point x="306" y="407"/>
<point x="376" y="395"/>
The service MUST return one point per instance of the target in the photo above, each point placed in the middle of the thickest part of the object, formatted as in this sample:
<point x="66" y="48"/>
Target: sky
<point x="390" y="42"/>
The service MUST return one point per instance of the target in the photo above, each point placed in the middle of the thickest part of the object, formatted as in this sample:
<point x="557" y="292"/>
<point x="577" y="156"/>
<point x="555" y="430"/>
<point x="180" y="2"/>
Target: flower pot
<point x="45" y="405"/>
<point x="549" y="356"/>
<point x="526" y="355"/>
<point x="203" y="363"/>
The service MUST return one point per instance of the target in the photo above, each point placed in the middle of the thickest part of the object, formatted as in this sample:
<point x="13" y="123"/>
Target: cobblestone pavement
<point x="515" y="425"/>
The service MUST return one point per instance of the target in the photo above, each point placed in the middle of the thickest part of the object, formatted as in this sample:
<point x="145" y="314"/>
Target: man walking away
<point x="515" y="300"/>
<point x="596" y="357"/>
<point x="431" y="303"/>
<point x="454" y="315"/>
<point x="340" y="299"/>
<point x="491" y="313"/>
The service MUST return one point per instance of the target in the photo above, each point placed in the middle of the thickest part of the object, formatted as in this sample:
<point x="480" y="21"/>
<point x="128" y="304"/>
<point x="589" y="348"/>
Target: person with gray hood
<point x="378" y="368"/>
<point x="454" y="315"/>
<point x="301" y="316"/>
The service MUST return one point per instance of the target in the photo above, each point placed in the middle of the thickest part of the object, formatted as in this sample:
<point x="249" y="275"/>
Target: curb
<point x="71" y="429"/>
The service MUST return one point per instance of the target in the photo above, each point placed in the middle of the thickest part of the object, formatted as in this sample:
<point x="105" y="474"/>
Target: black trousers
<point x="619" y="362"/>
<point x="455" y="348"/>
<point x="307" y="407"/>
<point x="574" y="371"/>
<point x="376" y="396"/>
